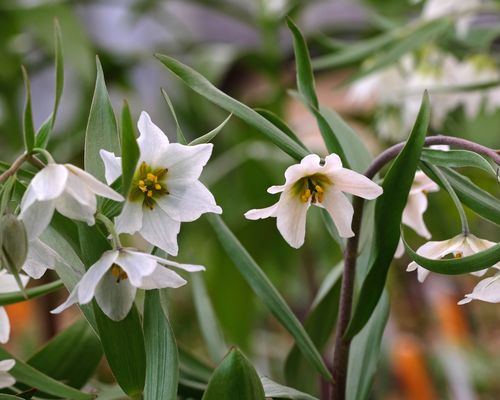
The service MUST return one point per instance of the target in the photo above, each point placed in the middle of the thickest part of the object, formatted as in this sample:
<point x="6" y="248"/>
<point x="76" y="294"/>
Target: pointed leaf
<point x="276" y="391"/>
<point x="457" y="159"/>
<point x="28" y="127"/>
<point x="180" y="135"/>
<point x="275" y="120"/>
<point x="207" y="137"/>
<point x="130" y="149"/>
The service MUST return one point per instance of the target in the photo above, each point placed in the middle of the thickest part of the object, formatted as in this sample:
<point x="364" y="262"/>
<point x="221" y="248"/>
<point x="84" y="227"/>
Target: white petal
<point x="160" y="230"/>
<point x="486" y="290"/>
<point x="260" y="213"/>
<point x="6" y="380"/>
<point x="400" y="250"/>
<point x="341" y="211"/>
<point x="72" y="299"/>
<point x="37" y="217"/>
<point x="91" y="279"/>
<point x="185" y="267"/>
<point x="112" y="165"/>
<point x="291" y="219"/>
<point x="309" y="165"/>
<point x="70" y="207"/>
<point x="436" y="250"/>
<point x="332" y="163"/>
<point x="136" y="265"/>
<point x="9" y="284"/>
<point x="40" y="258"/>
<point x="276" y="189"/>
<point x="162" y="278"/>
<point x="351" y="182"/>
<point x="422" y="182"/>
<point x="115" y="298"/>
<point x="188" y="201"/>
<point x="185" y="162"/>
<point x="477" y="245"/>
<point x="4" y="326"/>
<point x="152" y="141"/>
<point x="7" y="365"/>
<point x="28" y="199"/>
<point x="93" y="184"/>
<point x="49" y="183"/>
<point x="413" y="214"/>
<point x="130" y="219"/>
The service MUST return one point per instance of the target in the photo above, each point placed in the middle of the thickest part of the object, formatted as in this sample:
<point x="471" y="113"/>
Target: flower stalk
<point x="111" y="230"/>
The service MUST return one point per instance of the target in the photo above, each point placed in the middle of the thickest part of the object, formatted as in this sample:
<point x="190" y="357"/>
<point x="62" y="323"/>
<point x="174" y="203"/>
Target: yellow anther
<point x="143" y="188"/>
<point x="157" y="186"/>
<point x="150" y="193"/>
<point x="152" y="177"/>
<point x="306" y="194"/>
<point x="141" y="183"/>
<point x="118" y="273"/>
<point x="318" y="189"/>
<point x="459" y="254"/>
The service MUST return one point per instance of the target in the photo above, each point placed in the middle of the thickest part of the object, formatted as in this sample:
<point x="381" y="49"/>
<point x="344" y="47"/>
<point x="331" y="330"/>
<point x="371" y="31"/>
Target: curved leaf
<point x="276" y="391"/>
<point x="275" y="120"/>
<point x="456" y="159"/>
<point x="33" y="293"/>
<point x="207" y="137"/>
<point x="180" y="135"/>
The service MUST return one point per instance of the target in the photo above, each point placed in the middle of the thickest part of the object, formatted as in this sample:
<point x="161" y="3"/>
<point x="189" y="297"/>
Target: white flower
<point x="165" y="189"/>
<point x="7" y="284"/>
<point x="115" y="277"/>
<point x="486" y="290"/>
<point x="65" y="188"/>
<point x="442" y="8"/>
<point x="6" y="379"/>
<point x="310" y="183"/>
<point x="459" y="246"/>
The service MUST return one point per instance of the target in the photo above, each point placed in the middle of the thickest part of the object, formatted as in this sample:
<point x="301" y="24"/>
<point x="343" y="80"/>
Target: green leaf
<point x="9" y="397"/>
<point x="319" y="324"/>
<point x="275" y="120"/>
<point x="162" y="360"/>
<point x="102" y="132"/>
<point x="123" y="345"/>
<point x="202" y="86"/>
<point x="265" y="291"/>
<point x="33" y="293"/>
<point x="388" y="213"/>
<point x="72" y="356"/>
<point x="471" y="195"/>
<point x="207" y="319"/>
<point x="130" y="149"/>
<point x="180" y="135"/>
<point x="234" y="378"/>
<point x="276" y="391"/>
<point x="456" y="266"/>
<point x="28" y="375"/>
<point x="456" y="159"/>
<point x="28" y="127"/>
<point x="207" y="137"/>
<point x="192" y="367"/>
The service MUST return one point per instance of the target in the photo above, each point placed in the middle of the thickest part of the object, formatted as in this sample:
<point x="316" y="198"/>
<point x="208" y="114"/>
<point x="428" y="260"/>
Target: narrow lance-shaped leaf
<point x="207" y="137"/>
<point x="180" y="135"/>
<point x="388" y="214"/>
<point x="162" y="359"/>
<point x="276" y="391"/>
<point x="28" y="127"/>
<point x="130" y="149"/>
<point x="234" y="376"/>
<point x="457" y="159"/>
<point x="202" y="86"/>
<point x="265" y="291"/>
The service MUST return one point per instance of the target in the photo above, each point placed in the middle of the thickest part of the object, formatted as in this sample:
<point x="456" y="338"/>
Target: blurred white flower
<point x="311" y="183"/>
<point x="165" y="190"/>
<point x="6" y="379"/>
<point x="462" y="9"/>
<point x="65" y="188"/>
<point x="7" y="284"/>
<point x="115" y="277"/>
<point x="487" y="290"/>
<point x="458" y="246"/>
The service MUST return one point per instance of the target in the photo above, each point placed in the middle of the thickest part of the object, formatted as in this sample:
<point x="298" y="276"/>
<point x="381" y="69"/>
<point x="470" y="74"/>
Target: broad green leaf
<point x="265" y="291"/>
<point x="207" y="137"/>
<point x="388" y="213"/>
<point x="319" y="325"/>
<point x="210" y="329"/>
<point x="456" y="159"/>
<point x="456" y="266"/>
<point x="234" y="378"/>
<point x="471" y="195"/>
<point x="71" y="357"/>
<point x="276" y="391"/>
<point x="274" y="119"/>
<point x="202" y="86"/>
<point x="180" y="135"/>
<point x="130" y="149"/>
<point x="33" y="293"/>
<point x="162" y="360"/>
<point x="28" y="375"/>
<point x="102" y="132"/>
<point x="192" y="367"/>
<point x="28" y="127"/>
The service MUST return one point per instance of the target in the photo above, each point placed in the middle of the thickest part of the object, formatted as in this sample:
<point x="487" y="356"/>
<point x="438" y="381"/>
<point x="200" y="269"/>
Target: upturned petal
<point x="93" y="184"/>
<point x="486" y="290"/>
<point x="152" y="141"/>
<point x="260" y="213"/>
<point x="112" y="166"/>
<point x="351" y="182"/>
<point x="49" y="183"/>
<point x="162" y="278"/>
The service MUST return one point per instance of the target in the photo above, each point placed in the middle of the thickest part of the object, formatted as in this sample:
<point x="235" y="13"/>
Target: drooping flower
<point x="458" y="246"/>
<point x="311" y="183"/>
<point x="487" y="290"/>
<point x="7" y="284"/>
<point x="65" y="188"/>
<point x="115" y="277"/>
<point x="165" y="190"/>
<point x="6" y="379"/>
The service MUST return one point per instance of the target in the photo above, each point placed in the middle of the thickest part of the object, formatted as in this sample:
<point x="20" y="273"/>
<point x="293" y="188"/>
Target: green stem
<point x="17" y="297"/>
<point x="111" y="229"/>
<point x="46" y="154"/>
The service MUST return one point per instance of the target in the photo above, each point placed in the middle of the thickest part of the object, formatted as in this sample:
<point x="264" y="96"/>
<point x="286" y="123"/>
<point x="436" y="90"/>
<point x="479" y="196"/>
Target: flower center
<point x="118" y="273"/>
<point x="148" y="184"/>
<point x="458" y="254"/>
<point x="312" y="188"/>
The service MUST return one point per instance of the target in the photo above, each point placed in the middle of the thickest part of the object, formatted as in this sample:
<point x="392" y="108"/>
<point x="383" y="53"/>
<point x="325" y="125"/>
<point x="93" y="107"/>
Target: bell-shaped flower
<point x="7" y="284"/>
<point x="322" y="185"/>
<point x="165" y="189"/>
<point x="115" y="277"/>
<point x="458" y="246"/>
<point x="6" y="379"/>
<point x="487" y="290"/>
<point x="65" y="188"/>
